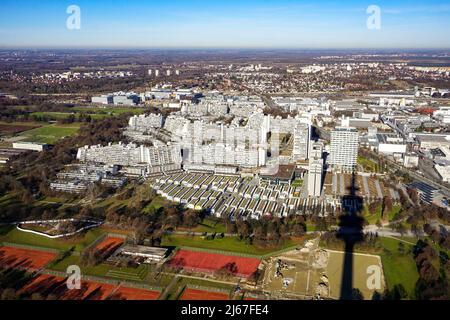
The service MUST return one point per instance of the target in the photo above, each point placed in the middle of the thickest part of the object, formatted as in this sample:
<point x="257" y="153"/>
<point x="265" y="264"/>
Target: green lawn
<point x="103" y="269"/>
<point x="108" y="111"/>
<point x="157" y="203"/>
<point x="368" y="164"/>
<point x="65" y="115"/>
<point x="297" y="183"/>
<point x="373" y="218"/>
<point x="210" y="225"/>
<point x="398" y="268"/>
<point x="229" y="244"/>
<point x="310" y="226"/>
<point x="25" y="238"/>
<point x="51" y="133"/>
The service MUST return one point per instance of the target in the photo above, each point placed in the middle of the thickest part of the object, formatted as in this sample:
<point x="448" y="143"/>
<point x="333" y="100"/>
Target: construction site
<point x="312" y="272"/>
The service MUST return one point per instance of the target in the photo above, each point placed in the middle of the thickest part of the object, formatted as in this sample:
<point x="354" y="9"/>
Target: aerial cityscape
<point x="284" y="169"/>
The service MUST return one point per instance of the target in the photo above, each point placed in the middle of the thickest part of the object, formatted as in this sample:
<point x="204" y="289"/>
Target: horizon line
<point x="44" y="47"/>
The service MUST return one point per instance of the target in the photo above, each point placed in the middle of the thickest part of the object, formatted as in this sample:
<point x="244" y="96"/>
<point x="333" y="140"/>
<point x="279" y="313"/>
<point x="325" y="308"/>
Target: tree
<point x="9" y="294"/>
<point x="140" y="232"/>
<point x="191" y="219"/>
<point x="357" y="294"/>
<point x="37" y="296"/>
<point x="243" y="228"/>
<point x="373" y="206"/>
<point x="387" y="206"/>
<point x="400" y="228"/>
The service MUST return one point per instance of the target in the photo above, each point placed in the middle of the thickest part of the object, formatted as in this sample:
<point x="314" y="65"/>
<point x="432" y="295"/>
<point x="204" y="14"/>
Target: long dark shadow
<point x="350" y="231"/>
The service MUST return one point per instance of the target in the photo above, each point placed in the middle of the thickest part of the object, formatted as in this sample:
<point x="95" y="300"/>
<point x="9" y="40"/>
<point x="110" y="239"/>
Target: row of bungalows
<point x="243" y="205"/>
<point x="180" y="196"/>
<point x="217" y="206"/>
<point x="230" y="196"/>
<point x="196" y="197"/>
<point x="192" y="190"/>
<point x="165" y="189"/>
<point x="174" y="192"/>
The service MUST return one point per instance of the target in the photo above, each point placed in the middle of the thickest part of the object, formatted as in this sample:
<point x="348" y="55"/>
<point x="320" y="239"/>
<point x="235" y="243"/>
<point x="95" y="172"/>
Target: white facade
<point x="391" y="148"/>
<point x="145" y="122"/>
<point x="301" y="142"/>
<point x="444" y="172"/>
<point x="104" y="99"/>
<point x="30" y="146"/>
<point x="411" y="160"/>
<point x="344" y="148"/>
<point x="131" y="155"/>
<point x="315" y="170"/>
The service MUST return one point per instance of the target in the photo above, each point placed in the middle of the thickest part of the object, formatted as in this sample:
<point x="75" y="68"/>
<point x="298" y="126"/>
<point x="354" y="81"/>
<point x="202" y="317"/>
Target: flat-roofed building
<point x="151" y="254"/>
<point x="32" y="146"/>
<point x="301" y="142"/>
<point x="344" y="148"/>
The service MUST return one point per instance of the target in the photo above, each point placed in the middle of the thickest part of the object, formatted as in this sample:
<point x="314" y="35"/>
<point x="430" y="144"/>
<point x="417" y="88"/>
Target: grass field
<point x="156" y="204"/>
<point x="51" y="133"/>
<point x="95" y="113"/>
<point x="210" y="226"/>
<point x="297" y="183"/>
<point x="111" y="111"/>
<point x="103" y="270"/>
<point x="229" y="244"/>
<point x="368" y="164"/>
<point x="389" y="216"/>
<point x="16" y="236"/>
<point x="359" y="277"/>
<point x="7" y="128"/>
<point x="399" y="268"/>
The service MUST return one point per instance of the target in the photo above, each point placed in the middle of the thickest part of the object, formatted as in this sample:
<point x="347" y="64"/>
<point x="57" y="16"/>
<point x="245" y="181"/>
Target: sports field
<point x="51" y="133"/>
<point x="16" y="127"/>
<point x="126" y="293"/>
<point x="90" y="290"/>
<point x="210" y="262"/>
<point x="48" y="284"/>
<point x="360" y="274"/>
<point x="109" y="245"/>
<point x="13" y="257"/>
<point x="195" y="294"/>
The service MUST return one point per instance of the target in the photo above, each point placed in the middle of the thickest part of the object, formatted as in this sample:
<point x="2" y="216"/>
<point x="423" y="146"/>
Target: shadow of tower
<point x="350" y="231"/>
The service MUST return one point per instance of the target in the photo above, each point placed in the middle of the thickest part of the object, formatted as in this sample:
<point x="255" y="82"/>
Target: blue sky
<point x="225" y="24"/>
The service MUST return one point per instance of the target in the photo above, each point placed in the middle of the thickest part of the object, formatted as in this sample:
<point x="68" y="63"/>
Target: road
<point x="414" y="174"/>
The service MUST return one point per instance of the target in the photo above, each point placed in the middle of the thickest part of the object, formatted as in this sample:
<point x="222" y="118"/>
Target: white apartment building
<point x="344" y="148"/>
<point x="33" y="146"/>
<point x="444" y="172"/>
<point x="133" y="155"/>
<point x="206" y="143"/>
<point x="315" y="171"/>
<point x="301" y="142"/>
<point x="144" y="122"/>
<point x="103" y="99"/>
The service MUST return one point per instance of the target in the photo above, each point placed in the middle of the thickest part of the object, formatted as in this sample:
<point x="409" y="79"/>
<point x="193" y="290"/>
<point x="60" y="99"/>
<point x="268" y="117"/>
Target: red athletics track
<point x="194" y="294"/>
<point x="13" y="257"/>
<point x="209" y="262"/>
